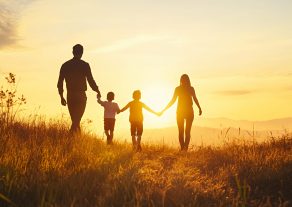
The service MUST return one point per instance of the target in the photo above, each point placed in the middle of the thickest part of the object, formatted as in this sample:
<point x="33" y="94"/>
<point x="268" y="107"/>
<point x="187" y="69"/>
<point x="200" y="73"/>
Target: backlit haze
<point x="238" y="54"/>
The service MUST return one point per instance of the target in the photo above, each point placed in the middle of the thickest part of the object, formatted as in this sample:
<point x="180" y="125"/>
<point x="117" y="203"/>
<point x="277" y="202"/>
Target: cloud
<point x="9" y="16"/>
<point x="234" y="92"/>
<point x="131" y="42"/>
<point x="7" y="28"/>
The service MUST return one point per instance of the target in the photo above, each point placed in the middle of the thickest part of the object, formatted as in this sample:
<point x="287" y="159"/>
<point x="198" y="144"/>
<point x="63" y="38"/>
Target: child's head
<point x="137" y="95"/>
<point x="110" y="96"/>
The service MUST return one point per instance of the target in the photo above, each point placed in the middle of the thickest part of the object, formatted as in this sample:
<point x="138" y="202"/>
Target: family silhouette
<point x="77" y="73"/>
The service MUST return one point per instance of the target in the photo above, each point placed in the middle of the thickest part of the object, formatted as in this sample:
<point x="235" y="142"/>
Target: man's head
<point x="78" y="51"/>
<point x="137" y="95"/>
<point x="110" y="96"/>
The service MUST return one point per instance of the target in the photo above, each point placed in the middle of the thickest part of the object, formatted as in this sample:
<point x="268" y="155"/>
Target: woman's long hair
<point x="185" y="81"/>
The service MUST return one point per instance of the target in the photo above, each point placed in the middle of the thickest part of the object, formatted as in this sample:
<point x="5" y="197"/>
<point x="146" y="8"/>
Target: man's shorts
<point x="136" y="128"/>
<point x="109" y="124"/>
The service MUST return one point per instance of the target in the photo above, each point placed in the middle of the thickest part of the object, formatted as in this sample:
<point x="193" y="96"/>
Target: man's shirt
<point x="75" y="72"/>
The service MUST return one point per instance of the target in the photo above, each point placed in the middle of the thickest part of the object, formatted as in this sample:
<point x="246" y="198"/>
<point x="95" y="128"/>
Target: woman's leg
<point x="180" y="125"/>
<point x="189" y="122"/>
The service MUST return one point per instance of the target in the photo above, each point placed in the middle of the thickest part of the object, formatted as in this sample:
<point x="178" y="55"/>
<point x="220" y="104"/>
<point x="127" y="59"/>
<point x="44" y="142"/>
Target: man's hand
<point x="63" y="101"/>
<point x="200" y="112"/>
<point x="98" y="96"/>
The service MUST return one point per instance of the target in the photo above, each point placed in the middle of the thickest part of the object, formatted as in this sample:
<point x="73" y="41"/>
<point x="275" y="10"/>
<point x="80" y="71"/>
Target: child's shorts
<point x="136" y="128"/>
<point x="109" y="124"/>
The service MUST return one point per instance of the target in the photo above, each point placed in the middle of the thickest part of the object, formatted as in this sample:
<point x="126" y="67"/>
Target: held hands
<point x="98" y="96"/>
<point x="160" y="113"/>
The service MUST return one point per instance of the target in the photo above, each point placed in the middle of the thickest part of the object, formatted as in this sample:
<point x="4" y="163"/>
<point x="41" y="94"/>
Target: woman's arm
<point x="125" y="108"/>
<point x="197" y="102"/>
<point x="172" y="101"/>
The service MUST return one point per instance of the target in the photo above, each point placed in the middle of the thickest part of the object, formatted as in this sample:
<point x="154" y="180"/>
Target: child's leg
<point x="139" y="135"/>
<point x="106" y="129"/>
<point x="139" y="148"/>
<point x="107" y="136"/>
<point x="111" y="136"/>
<point x="134" y="142"/>
<point x="133" y="134"/>
<point x="111" y="130"/>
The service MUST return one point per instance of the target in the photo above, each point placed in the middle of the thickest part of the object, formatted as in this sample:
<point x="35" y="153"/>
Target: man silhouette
<point x="75" y="72"/>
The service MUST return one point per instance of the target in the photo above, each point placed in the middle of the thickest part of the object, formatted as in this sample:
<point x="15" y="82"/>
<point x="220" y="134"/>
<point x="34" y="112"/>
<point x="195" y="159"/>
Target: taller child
<point x="136" y="118"/>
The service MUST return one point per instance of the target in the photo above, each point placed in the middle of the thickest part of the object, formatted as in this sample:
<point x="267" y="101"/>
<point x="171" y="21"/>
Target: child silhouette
<point x="110" y="110"/>
<point x="136" y="118"/>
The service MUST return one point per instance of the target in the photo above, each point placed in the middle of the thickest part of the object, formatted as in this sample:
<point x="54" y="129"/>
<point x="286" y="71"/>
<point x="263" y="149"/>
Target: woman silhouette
<point x="185" y="113"/>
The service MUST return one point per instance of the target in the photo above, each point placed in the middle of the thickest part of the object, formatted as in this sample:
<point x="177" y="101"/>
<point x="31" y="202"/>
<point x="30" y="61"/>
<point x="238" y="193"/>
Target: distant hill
<point x="208" y="135"/>
<point x="274" y="124"/>
<point x="210" y="131"/>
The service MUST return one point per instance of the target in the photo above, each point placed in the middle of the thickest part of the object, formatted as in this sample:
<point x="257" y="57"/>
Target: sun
<point x="157" y="96"/>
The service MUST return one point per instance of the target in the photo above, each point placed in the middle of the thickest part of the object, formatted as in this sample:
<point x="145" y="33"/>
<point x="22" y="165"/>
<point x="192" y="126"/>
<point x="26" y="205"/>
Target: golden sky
<point x="238" y="54"/>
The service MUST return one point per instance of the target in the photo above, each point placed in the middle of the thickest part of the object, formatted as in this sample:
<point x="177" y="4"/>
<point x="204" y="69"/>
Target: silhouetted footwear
<point x="109" y="142"/>
<point x="139" y="148"/>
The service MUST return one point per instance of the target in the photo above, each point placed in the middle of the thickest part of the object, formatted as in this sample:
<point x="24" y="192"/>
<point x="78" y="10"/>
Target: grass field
<point x="41" y="165"/>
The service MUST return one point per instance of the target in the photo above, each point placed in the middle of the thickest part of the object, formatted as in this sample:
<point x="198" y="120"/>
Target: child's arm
<point x="125" y="108"/>
<point x="118" y="109"/>
<point x="100" y="101"/>
<point x="149" y="109"/>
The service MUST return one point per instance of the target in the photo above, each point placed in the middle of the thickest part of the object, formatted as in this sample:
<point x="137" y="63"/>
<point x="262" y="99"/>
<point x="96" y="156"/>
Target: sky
<point x="238" y="54"/>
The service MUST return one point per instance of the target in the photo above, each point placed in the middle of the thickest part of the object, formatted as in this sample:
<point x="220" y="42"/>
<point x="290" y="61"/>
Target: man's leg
<point x="76" y="106"/>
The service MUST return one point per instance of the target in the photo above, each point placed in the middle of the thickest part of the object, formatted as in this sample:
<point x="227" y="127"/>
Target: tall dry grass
<point x="42" y="165"/>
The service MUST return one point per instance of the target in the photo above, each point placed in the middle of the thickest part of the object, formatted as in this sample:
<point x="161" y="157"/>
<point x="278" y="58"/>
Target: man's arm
<point x="91" y="81"/>
<point x="60" y="86"/>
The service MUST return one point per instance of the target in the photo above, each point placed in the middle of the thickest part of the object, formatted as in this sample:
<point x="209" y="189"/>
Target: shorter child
<point x="136" y="118"/>
<point x="110" y="110"/>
